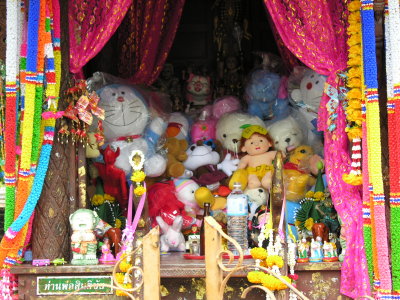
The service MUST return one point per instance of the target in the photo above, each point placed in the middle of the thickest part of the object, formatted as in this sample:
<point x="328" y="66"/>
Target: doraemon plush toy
<point x="128" y="126"/>
<point x="307" y="98"/>
<point x="262" y="95"/>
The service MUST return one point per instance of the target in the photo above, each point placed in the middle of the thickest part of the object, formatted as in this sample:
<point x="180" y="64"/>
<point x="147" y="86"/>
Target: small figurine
<point x="58" y="261"/>
<point x="194" y="240"/>
<point x="83" y="240"/>
<point x="258" y="161"/>
<point x="316" y="251"/>
<point x="302" y="251"/>
<point x="107" y="258"/>
<point x="330" y="253"/>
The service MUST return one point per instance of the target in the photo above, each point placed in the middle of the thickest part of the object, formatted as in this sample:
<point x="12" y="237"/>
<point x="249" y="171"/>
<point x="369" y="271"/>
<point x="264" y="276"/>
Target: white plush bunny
<point x="172" y="238"/>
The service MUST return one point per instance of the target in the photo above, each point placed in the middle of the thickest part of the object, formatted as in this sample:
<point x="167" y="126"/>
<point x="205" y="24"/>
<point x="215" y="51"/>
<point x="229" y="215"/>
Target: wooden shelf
<point x="173" y="265"/>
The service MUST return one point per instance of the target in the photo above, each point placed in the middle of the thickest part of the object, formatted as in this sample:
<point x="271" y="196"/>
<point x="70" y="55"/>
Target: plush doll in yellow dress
<point x="255" y="169"/>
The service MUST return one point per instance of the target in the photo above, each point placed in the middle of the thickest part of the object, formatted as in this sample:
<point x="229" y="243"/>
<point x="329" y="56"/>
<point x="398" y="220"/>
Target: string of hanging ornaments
<point x="33" y="79"/>
<point x="392" y="38"/>
<point x="380" y="251"/>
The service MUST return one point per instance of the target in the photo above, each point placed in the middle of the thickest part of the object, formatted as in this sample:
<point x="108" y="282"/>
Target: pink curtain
<point x="91" y="25"/>
<point x="314" y="30"/>
<point x="147" y="34"/>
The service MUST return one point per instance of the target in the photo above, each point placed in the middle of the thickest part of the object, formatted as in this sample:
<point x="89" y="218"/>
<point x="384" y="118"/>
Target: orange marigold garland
<point x="354" y="94"/>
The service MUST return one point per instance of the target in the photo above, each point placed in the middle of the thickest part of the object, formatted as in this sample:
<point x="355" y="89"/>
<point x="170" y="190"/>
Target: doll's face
<point x="256" y="144"/>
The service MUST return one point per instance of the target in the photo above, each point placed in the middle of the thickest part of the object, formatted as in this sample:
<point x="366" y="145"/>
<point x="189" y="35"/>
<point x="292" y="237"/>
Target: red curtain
<point x="91" y="25"/>
<point x="146" y="36"/>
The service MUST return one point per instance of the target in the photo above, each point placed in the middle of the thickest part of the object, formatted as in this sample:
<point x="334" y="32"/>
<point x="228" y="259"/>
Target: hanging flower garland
<point x="11" y="104"/>
<point x="380" y="242"/>
<point x="392" y="41"/>
<point x="354" y="94"/>
<point x="16" y="234"/>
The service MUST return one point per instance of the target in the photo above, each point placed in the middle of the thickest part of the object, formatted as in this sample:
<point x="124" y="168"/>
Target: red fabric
<point x="91" y="25"/>
<point x="147" y="34"/>
<point x="113" y="178"/>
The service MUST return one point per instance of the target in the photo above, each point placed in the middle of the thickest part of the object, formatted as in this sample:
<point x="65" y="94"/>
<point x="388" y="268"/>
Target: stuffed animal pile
<point x="194" y="157"/>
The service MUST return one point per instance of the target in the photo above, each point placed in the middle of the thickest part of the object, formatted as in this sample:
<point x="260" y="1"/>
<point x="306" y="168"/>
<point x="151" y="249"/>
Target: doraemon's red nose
<point x="309" y="86"/>
<point x="120" y="99"/>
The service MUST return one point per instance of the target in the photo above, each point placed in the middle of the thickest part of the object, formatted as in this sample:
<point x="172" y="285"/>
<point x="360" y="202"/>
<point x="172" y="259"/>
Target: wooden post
<point x="214" y="273"/>
<point x="151" y="264"/>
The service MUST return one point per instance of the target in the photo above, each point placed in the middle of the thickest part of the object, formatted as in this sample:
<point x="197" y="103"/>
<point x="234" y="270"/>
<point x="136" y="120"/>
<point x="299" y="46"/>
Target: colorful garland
<point x="380" y="242"/>
<point x="354" y="94"/>
<point x="15" y="237"/>
<point x="11" y="103"/>
<point x="392" y="38"/>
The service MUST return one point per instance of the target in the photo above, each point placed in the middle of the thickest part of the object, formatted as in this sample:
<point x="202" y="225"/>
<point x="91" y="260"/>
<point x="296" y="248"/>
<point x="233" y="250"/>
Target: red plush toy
<point x="113" y="178"/>
<point x="163" y="202"/>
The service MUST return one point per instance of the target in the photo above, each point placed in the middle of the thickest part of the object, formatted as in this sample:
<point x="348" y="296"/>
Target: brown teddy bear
<point x="176" y="155"/>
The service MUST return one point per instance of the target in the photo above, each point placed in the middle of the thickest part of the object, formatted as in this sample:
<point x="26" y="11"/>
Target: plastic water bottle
<point x="237" y="211"/>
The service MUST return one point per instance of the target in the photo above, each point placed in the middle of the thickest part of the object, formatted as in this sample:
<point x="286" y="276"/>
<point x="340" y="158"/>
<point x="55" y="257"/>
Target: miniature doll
<point x="258" y="162"/>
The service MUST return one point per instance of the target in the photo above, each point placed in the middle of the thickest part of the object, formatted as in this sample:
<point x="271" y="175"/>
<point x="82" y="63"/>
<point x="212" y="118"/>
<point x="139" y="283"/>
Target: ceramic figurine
<point x="302" y="251"/>
<point x="83" y="239"/>
<point x="107" y="258"/>
<point x="330" y="253"/>
<point x="316" y="251"/>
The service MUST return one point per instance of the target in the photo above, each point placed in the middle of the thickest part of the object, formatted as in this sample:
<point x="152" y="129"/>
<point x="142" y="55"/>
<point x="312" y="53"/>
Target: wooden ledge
<point x="173" y="265"/>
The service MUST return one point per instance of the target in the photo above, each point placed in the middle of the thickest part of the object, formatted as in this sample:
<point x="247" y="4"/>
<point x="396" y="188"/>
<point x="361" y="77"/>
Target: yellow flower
<point x="354" y="6"/>
<point x="124" y="266"/>
<point x="310" y="194"/>
<point x="354" y="72"/>
<point x="355" y="50"/>
<point x="318" y="196"/>
<point x="123" y="293"/>
<point x="354" y="94"/>
<point x="353" y="28"/>
<point x="138" y="176"/>
<point x="274" y="260"/>
<point x="354" y="61"/>
<point x="354" y="115"/>
<point x="355" y="17"/>
<point x="119" y="277"/>
<point x="273" y="283"/>
<point x="109" y="198"/>
<point x="355" y="104"/>
<point x="97" y="200"/>
<point x="297" y="223"/>
<point x="354" y="132"/>
<point x="258" y="253"/>
<point x="255" y="276"/>
<point x="118" y="223"/>
<point x="354" y="82"/>
<point x="354" y="39"/>
<point x="139" y="190"/>
<point x="309" y="223"/>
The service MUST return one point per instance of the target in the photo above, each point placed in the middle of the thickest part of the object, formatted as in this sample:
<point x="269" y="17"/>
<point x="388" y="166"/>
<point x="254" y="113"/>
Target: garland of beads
<point x="392" y="38"/>
<point x="11" y="99"/>
<point x="15" y="236"/>
<point x="374" y="146"/>
<point x="354" y="95"/>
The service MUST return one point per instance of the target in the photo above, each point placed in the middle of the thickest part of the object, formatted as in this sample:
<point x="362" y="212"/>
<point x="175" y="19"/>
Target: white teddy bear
<point x="127" y="125"/>
<point x="286" y="134"/>
<point x="307" y="99"/>
<point x="229" y="131"/>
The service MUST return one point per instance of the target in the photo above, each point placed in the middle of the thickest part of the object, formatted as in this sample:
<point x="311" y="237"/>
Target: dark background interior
<point x="194" y="39"/>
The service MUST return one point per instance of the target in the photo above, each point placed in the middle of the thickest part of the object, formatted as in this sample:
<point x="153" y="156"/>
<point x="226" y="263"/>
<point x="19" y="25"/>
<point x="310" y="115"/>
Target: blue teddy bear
<point x="262" y="96"/>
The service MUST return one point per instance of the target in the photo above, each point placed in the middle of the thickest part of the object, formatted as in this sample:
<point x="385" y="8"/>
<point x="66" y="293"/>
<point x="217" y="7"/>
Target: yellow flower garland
<point x="355" y="93"/>
<point x="259" y="253"/>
